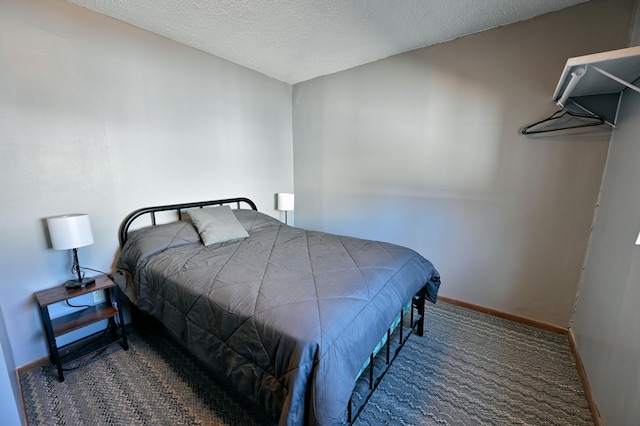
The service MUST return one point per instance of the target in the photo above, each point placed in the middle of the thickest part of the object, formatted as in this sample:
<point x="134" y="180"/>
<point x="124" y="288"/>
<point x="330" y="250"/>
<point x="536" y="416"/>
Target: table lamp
<point x="285" y="201"/>
<point x="71" y="231"/>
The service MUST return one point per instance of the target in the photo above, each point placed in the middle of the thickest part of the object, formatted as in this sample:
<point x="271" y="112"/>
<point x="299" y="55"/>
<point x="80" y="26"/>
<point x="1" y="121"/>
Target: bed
<point x="289" y="316"/>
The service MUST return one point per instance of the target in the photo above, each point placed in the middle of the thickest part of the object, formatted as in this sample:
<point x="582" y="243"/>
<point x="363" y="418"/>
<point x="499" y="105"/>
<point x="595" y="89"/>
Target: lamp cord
<point x="79" y="272"/>
<point x="96" y="270"/>
<point x="77" y="306"/>
<point x="82" y="361"/>
<point x="75" y="267"/>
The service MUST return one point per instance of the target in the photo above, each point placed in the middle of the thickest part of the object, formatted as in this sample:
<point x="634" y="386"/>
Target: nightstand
<point x="103" y="311"/>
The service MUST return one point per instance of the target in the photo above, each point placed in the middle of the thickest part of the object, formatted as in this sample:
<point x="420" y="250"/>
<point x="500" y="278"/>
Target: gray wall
<point x="10" y="403"/>
<point x="423" y="149"/>
<point x="607" y="317"/>
<point x="99" y="117"/>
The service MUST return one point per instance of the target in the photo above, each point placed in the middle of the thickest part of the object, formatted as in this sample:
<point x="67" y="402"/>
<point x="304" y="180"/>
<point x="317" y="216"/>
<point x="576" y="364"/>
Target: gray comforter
<point x="288" y="315"/>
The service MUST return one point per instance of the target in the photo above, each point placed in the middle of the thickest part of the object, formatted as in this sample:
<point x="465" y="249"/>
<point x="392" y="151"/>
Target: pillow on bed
<point x="217" y="225"/>
<point x="253" y="220"/>
<point x="148" y="241"/>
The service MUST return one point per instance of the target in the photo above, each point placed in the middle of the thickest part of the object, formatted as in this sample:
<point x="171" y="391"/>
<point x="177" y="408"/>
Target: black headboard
<point x="178" y="208"/>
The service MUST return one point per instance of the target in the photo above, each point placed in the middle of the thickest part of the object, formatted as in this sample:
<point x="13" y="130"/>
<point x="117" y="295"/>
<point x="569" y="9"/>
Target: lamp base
<point x="72" y="284"/>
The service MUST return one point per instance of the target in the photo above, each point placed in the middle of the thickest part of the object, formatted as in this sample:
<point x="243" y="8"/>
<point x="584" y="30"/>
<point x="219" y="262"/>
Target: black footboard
<point x="415" y="323"/>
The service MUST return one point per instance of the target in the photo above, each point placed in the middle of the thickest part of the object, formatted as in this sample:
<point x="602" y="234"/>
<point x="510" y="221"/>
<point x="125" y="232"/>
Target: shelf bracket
<point x="613" y="77"/>
<point x="615" y="119"/>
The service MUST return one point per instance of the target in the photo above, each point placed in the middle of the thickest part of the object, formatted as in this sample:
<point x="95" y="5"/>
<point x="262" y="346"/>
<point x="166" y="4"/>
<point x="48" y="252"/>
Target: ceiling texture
<point x="297" y="40"/>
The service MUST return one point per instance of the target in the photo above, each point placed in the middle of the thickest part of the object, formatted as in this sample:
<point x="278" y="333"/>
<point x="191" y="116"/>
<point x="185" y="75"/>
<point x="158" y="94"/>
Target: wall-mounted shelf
<point x="606" y="73"/>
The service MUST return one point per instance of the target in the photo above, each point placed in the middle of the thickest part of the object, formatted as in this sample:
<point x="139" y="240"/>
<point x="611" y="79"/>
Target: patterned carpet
<point x="475" y="369"/>
<point x="468" y="369"/>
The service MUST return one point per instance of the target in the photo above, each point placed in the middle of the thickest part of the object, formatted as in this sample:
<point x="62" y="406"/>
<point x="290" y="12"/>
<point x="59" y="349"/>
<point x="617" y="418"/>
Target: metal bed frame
<point x="416" y="321"/>
<point x="128" y="221"/>
<point x="416" y="324"/>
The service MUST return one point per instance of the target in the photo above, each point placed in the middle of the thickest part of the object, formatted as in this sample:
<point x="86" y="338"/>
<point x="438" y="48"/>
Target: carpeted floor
<point x="468" y="369"/>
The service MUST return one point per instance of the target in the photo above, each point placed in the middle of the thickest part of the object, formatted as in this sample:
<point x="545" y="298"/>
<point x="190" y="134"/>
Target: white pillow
<point x="217" y="225"/>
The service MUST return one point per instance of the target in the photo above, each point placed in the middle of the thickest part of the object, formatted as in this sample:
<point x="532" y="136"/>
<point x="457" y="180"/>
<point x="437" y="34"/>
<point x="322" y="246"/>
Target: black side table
<point x="82" y="318"/>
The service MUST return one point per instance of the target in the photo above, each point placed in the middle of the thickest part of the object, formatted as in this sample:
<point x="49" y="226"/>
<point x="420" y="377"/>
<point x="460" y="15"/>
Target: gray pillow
<point x="148" y="241"/>
<point x="217" y="225"/>
<point x="253" y="220"/>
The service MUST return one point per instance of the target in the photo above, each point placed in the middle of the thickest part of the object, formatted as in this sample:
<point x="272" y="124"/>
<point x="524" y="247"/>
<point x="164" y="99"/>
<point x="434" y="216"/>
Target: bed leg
<point x="417" y="303"/>
<point x="370" y="371"/>
<point x="412" y="317"/>
<point x="388" y="345"/>
<point x="421" y="300"/>
<point x="401" y="330"/>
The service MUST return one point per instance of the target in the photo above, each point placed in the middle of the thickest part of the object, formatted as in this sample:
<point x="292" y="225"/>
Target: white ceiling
<point x="297" y="40"/>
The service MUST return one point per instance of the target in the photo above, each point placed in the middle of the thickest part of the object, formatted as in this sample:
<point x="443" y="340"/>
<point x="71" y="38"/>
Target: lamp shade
<point x="69" y="231"/>
<point x="285" y="201"/>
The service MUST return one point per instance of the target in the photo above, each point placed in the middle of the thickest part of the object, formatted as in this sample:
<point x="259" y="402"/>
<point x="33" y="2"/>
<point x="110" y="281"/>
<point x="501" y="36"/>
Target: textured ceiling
<point x="297" y="40"/>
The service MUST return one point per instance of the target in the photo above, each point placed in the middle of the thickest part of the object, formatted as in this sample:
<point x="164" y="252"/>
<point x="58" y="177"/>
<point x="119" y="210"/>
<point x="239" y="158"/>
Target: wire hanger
<point x="591" y="120"/>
